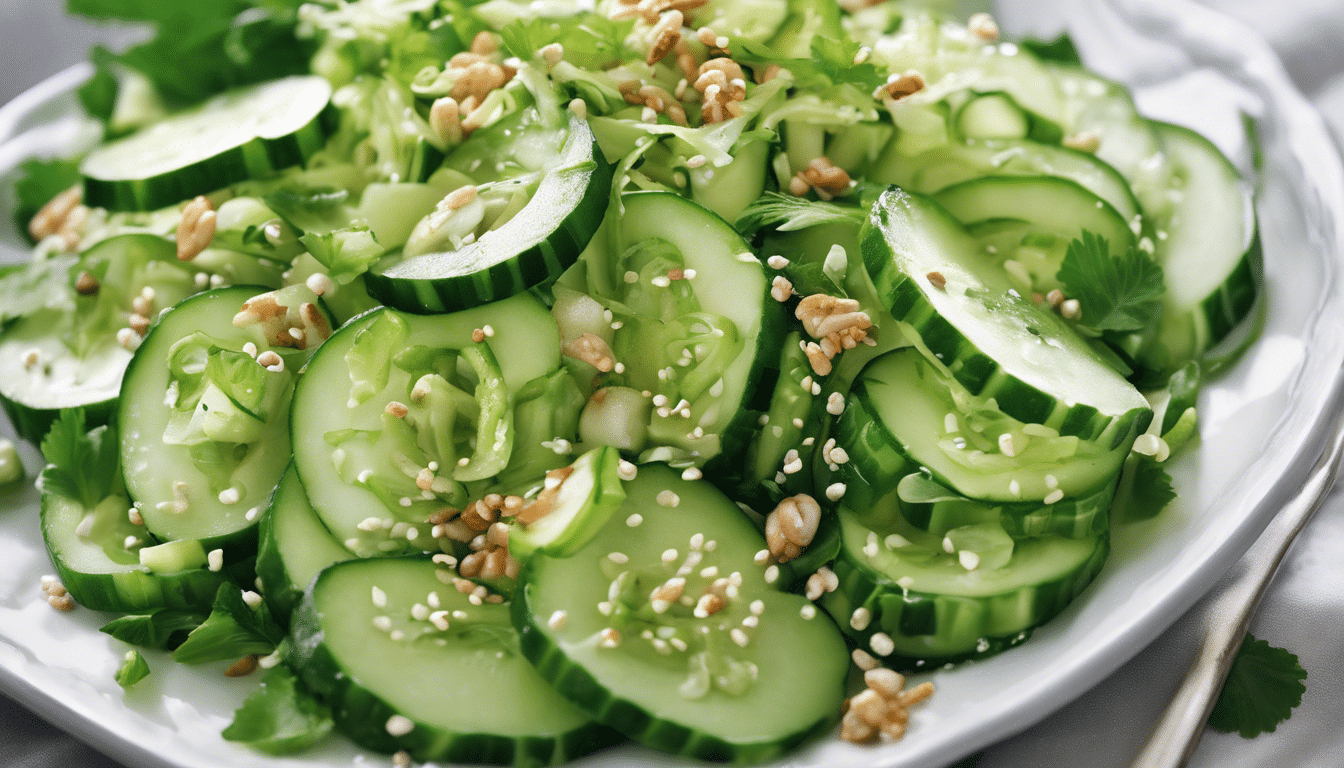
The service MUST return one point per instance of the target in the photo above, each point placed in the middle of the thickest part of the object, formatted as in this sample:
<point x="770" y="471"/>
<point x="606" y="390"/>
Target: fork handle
<point x="1229" y="615"/>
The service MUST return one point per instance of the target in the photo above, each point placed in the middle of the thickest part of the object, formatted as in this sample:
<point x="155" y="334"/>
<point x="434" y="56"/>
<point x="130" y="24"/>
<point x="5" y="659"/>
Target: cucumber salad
<point x="500" y="381"/>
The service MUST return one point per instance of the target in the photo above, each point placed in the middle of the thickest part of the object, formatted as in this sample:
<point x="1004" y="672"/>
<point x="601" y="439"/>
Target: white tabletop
<point x="1106" y="726"/>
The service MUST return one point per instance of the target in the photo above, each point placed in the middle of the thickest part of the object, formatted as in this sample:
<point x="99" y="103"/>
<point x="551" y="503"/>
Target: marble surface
<point x="1109" y="723"/>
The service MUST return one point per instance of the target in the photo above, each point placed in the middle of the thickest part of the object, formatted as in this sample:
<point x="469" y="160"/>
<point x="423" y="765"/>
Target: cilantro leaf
<point x="1262" y="688"/>
<point x="788" y="213"/>
<point x="233" y="629"/>
<point x="40" y="181"/>
<point x="280" y="717"/>
<point x="1145" y="489"/>
<point x="832" y="63"/>
<point x="83" y="466"/>
<point x="1116" y="293"/>
<point x="203" y="47"/>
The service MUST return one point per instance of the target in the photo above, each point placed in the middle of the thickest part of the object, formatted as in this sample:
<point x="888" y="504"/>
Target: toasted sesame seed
<point x="610" y="638"/>
<point x="864" y="660"/>
<point x="558" y="620"/>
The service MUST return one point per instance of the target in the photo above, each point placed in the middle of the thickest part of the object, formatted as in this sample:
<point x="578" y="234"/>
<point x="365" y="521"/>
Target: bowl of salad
<point x="673" y="380"/>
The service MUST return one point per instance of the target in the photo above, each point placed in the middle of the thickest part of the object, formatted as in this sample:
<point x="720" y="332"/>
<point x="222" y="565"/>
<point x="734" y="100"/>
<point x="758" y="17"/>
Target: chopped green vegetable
<point x="83" y="466"/>
<point x="164" y="629"/>
<point x="1262" y="688"/>
<point x="133" y="669"/>
<point x="1116" y="293"/>
<point x="234" y="629"/>
<point x="280" y="717"/>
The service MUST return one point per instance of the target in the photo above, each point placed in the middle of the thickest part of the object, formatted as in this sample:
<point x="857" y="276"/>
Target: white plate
<point x="1261" y="423"/>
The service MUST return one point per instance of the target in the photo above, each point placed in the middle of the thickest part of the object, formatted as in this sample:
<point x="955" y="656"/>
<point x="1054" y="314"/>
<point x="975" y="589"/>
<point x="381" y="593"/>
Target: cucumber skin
<point x="861" y="585"/>
<point x="259" y="157"/>
<point x="133" y="590"/>
<point x="32" y="424"/>
<point x="532" y="267"/>
<point x="362" y="716"/>
<point x="589" y="695"/>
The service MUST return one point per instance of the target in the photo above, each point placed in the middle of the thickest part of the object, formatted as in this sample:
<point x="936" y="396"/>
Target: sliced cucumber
<point x="97" y="556"/>
<point x="246" y="133"/>
<point x="56" y="359"/>
<point x="571" y="194"/>
<point x="904" y="416"/>
<point x="457" y="691"/>
<point x="204" y="424"/>
<point x="585" y="501"/>
<point x="996" y="115"/>
<point x="988" y="337"/>
<point x="293" y="546"/>
<point x="711" y="687"/>
<point x="944" y="166"/>
<point x="706" y="338"/>
<point x="1053" y="212"/>
<point x="933" y="609"/>
<point x="1209" y="247"/>
<point x="358" y="461"/>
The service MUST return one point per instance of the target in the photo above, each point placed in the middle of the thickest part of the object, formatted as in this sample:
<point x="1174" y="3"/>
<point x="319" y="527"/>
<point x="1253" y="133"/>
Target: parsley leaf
<point x="233" y="629"/>
<point x="787" y="213"/>
<point x="1262" y="688"/>
<point x="82" y="466"/>
<point x="1145" y="489"/>
<point x="200" y="48"/>
<point x="280" y="717"/>
<point x="832" y="63"/>
<point x="1116" y="293"/>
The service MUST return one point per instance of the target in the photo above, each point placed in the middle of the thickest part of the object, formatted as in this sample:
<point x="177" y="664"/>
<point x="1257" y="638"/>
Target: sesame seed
<point x="399" y="725"/>
<point x="691" y="473"/>
<point x="1053" y="496"/>
<point x="808" y="611"/>
<point x="860" y="618"/>
<point x="968" y="559"/>
<point x="626" y="471"/>
<point x="558" y="620"/>
<point x="667" y="498"/>
<point x="772" y="574"/>
<point x="618" y="557"/>
<point x="379" y="598"/>
<point x="215" y="560"/>
<point x="382" y="623"/>
<point x="250" y="515"/>
<point x="882" y="644"/>
<point x="835" y="404"/>
<point x="610" y="638"/>
<point x="739" y="637"/>
<point x="864" y="660"/>
<point x="251" y="598"/>
<point x="634" y="520"/>
<point x="229" y="496"/>
<point x="669" y="555"/>
<point x="777" y="262"/>
<point x="762" y="556"/>
<point x="835" y="491"/>
<point x="1015" y="488"/>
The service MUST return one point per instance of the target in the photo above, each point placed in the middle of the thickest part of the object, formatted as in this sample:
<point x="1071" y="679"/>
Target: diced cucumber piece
<point x="245" y="133"/>
<point x="1053" y="213"/>
<point x="996" y="343"/>
<point x="359" y="460"/>
<point x="944" y="166"/>
<point x="566" y="207"/>
<point x="722" y="685"/>
<point x="583" y="504"/>
<point x="293" y="546"/>
<point x="1208" y="243"/>
<point x="96" y="554"/>
<point x="205" y="423"/>
<point x="451" y="686"/>
<point x="926" y="605"/>
<point x="903" y="416"/>
<point x="55" y="359"/>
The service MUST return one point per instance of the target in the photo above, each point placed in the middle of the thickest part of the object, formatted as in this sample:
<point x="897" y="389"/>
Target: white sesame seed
<point x="667" y="498"/>
<point x="382" y="623"/>
<point x="835" y="491"/>
<point x="739" y="637"/>
<point x="777" y="262"/>
<point x="968" y="559"/>
<point x="772" y="574"/>
<point x="762" y="556"/>
<point x="835" y="404"/>
<point x="691" y="473"/>
<point x="808" y="611"/>
<point x="905" y="582"/>
<point x="610" y="638"/>
<point x="249" y="516"/>
<point x="882" y="644"/>
<point x="215" y="560"/>
<point x="864" y="660"/>
<point x="229" y="496"/>
<point x="626" y="471"/>
<point x="1053" y="496"/>
<point x="399" y="725"/>
<point x="669" y="555"/>
<point x="619" y="558"/>
<point x="558" y="620"/>
<point x="251" y="598"/>
<point x="1015" y="488"/>
<point x="379" y="598"/>
<point x="860" y="618"/>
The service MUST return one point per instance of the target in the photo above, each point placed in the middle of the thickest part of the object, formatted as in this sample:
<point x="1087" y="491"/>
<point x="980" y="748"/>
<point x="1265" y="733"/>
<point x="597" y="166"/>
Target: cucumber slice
<point x="942" y="167"/>
<point x="1209" y="247"/>
<point x="720" y="698"/>
<point x="102" y="573"/>
<point x="996" y="115"/>
<point x="897" y="420"/>
<point x="55" y="359"/>
<point x="794" y="413"/>
<point x="584" y="503"/>
<point x="536" y="245"/>
<point x="358" y="461"/>
<point x="707" y="339"/>
<point x="1053" y="212"/>
<point x="988" y="337"/>
<point x="293" y="546"/>
<point x="459" y="694"/>
<point x="204" y="425"/>
<point x="933" y="609"/>
<point x="245" y="133"/>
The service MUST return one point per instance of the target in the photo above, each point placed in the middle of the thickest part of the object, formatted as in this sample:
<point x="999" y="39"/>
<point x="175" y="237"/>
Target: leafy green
<point x="199" y="48"/>
<point x="1262" y="688"/>
<point x="164" y="629"/>
<point x="1116" y="293"/>
<point x="1145" y="489"/>
<point x="787" y="213"/>
<point x="39" y="181"/>
<point x="1061" y="49"/>
<point x="346" y="253"/>
<point x="234" y="629"/>
<point x="280" y="717"/>
<point x="810" y="277"/>
<point x="133" y="669"/>
<point x="98" y="94"/>
<point x="35" y="286"/>
<point x="590" y="40"/>
<point x="832" y="63"/>
<point x="83" y="466"/>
